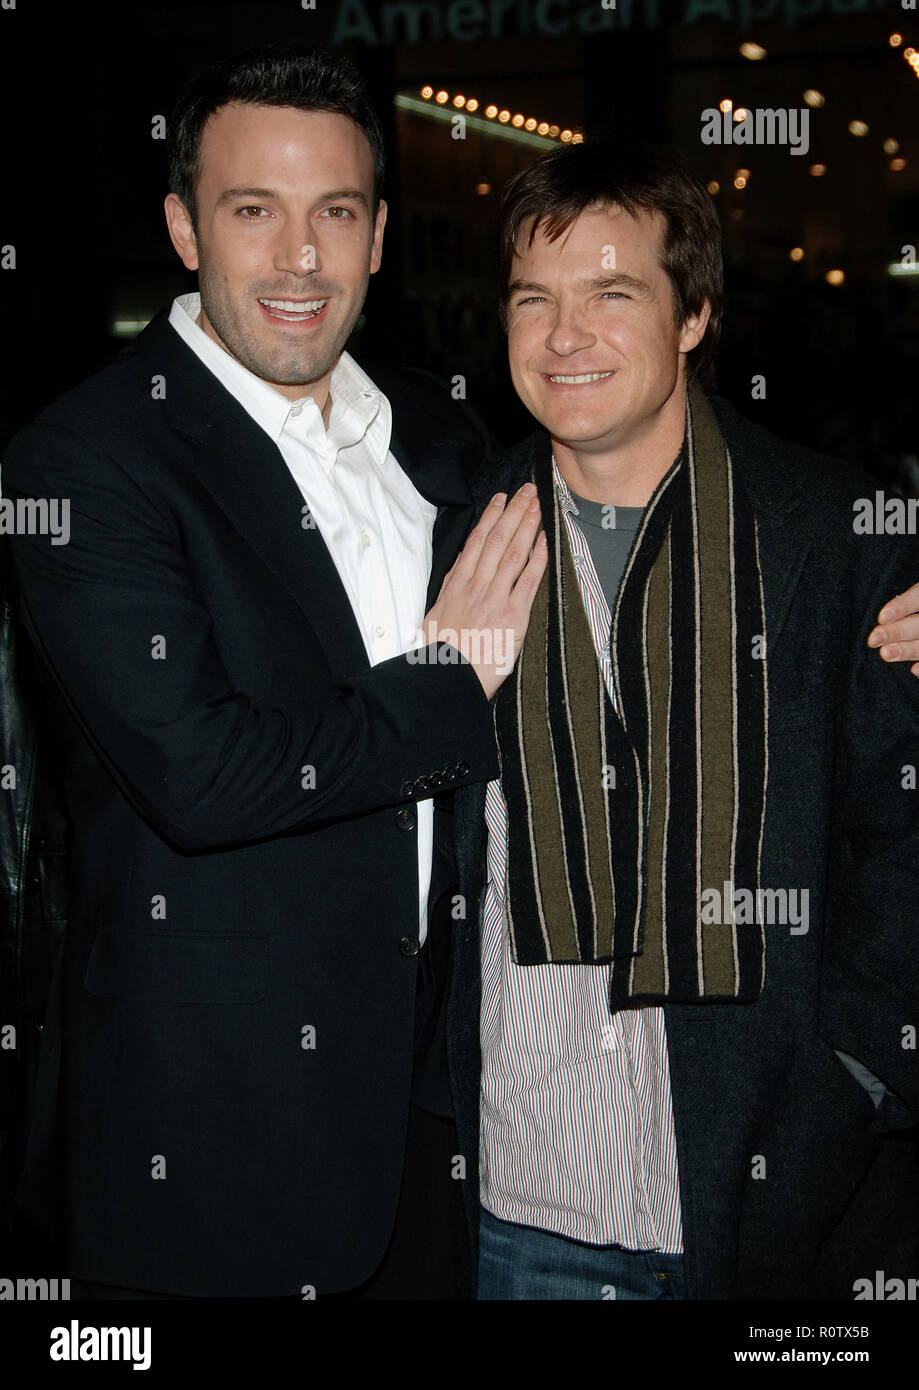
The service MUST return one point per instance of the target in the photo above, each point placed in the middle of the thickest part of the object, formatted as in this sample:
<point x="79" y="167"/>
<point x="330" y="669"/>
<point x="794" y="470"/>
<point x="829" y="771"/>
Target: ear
<point x="693" y="329"/>
<point x="376" y="246"/>
<point x="181" y="231"/>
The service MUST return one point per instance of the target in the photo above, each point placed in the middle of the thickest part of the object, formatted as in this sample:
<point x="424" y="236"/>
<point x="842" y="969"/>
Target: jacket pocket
<point x="178" y="967"/>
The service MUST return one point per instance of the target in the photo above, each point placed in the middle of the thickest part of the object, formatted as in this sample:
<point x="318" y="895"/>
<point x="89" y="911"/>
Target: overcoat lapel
<point x="245" y="474"/>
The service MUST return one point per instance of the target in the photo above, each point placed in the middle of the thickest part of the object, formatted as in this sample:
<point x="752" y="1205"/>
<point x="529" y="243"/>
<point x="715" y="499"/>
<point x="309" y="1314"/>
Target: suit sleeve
<point x="197" y="757"/>
<point x="870" y="969"/>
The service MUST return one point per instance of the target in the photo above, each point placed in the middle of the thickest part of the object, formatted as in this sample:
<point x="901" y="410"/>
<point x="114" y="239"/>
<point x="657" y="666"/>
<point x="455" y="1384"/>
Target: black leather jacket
<point x="34" y="836"/>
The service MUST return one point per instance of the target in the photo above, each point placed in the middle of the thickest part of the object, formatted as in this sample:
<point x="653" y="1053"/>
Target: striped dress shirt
<point x="577" y="1132"/>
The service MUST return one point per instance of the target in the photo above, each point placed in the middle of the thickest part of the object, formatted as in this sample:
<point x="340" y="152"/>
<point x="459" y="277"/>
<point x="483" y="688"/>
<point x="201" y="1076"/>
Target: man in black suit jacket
<point x="247" y="1084"/>
<point x="755" y="1142"/>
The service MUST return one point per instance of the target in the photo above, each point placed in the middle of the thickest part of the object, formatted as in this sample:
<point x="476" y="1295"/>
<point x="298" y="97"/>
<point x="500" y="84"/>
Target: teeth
<point x="293" y="306"/>
<point x="579" y="380"/>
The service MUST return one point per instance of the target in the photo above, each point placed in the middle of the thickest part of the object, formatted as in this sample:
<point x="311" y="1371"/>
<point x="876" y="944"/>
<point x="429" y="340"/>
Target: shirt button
<point x="409" y="946"/>
<point x="366" y="539"/>
<point x="378" y="631"/>
<point x="296" y="409"/>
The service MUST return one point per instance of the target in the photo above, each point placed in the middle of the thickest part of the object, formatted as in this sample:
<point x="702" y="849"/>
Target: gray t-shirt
<point x="609" y="532"/>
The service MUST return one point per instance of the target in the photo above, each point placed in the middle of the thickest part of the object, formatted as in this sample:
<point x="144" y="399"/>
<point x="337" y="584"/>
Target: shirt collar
<point x="565" y="500"/>
<point x="356" y="402"/>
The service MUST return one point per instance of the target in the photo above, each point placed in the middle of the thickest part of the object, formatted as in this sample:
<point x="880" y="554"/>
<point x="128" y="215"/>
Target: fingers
<point x="489" y="538"/>
<point x="897" y="633"/>
<point x="465" y="563"/>
<point x="892" y="650"/>
<point x="531" y="577"/>
<point x="517" y="551"/>
<point x="901" y="606"/>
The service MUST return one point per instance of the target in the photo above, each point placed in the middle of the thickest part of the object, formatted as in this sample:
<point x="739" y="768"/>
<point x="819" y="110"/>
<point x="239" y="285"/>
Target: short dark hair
<point x="309" y="79"/>
<point x="560" y="185"/>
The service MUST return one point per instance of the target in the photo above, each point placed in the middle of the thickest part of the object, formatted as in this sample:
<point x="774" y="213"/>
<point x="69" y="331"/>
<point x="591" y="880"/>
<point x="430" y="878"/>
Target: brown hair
<point x="560" y="185"/>
<point x="310" y="79"/>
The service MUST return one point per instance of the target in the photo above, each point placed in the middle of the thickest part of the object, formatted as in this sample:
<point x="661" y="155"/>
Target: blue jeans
<point x="520" y="1262"/>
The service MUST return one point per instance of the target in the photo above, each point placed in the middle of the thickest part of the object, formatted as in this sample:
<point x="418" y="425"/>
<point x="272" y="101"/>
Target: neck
<point x="319" y="390"/>
<point x="626" y="472"/>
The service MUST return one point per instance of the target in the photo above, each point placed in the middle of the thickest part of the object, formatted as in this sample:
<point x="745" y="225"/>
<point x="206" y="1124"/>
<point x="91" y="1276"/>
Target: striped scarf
<point x="622" y="821"/>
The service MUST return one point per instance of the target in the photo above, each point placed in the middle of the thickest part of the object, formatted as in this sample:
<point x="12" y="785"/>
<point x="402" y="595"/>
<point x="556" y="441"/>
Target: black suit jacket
<point x="238" y="982"/>
<point x="792" y="1185"/>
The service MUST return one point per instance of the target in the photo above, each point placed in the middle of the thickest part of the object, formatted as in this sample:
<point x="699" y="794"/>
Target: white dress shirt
<point x="376" y="525"/>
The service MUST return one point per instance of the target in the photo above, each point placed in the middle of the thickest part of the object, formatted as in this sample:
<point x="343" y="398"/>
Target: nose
<point x="297" y="251"/>
<point x="570" y="331"/>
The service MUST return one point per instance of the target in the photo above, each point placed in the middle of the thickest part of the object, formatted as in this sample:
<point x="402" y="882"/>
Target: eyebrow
<point x="230" y="195"/>
<point x="598" y="282"/>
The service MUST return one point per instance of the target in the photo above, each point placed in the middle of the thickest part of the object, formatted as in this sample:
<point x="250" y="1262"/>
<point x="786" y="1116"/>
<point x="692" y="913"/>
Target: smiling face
<point x="595" y="351"/>
<point x="285" y="240"/>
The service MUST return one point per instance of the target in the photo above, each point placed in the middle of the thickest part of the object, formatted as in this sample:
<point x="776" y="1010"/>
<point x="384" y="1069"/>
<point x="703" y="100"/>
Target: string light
<point x="796" y="253"/>
<point x="504" y="116"/>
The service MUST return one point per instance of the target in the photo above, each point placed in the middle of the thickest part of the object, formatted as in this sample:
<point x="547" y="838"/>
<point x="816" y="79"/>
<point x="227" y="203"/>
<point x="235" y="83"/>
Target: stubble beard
<point x="288" y="364"/>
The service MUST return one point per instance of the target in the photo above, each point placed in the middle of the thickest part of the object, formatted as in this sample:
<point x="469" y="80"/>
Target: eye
<point x="614" y="294"/>
<point x="531" y="299"/>
<point x="251" y="208"/>
<point x="339" y="214"/>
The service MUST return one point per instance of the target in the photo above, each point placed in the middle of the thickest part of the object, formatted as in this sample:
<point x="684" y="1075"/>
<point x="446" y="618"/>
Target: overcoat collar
<point x="245" y="474"/>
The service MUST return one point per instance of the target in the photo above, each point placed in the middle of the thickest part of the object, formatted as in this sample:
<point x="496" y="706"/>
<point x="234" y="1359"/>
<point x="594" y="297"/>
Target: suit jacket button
<point x="449" y="774"/>
<point x="436" y="778"/>
<point x="422" y="784"/>
<point x="462" y="769"/>
<point x="406" y="819"/>
<point x="407" y="787"/>
<point x="409" y="945"/>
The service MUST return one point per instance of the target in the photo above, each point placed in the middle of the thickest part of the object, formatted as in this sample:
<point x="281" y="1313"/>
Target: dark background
<point x="85" y="179"/>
